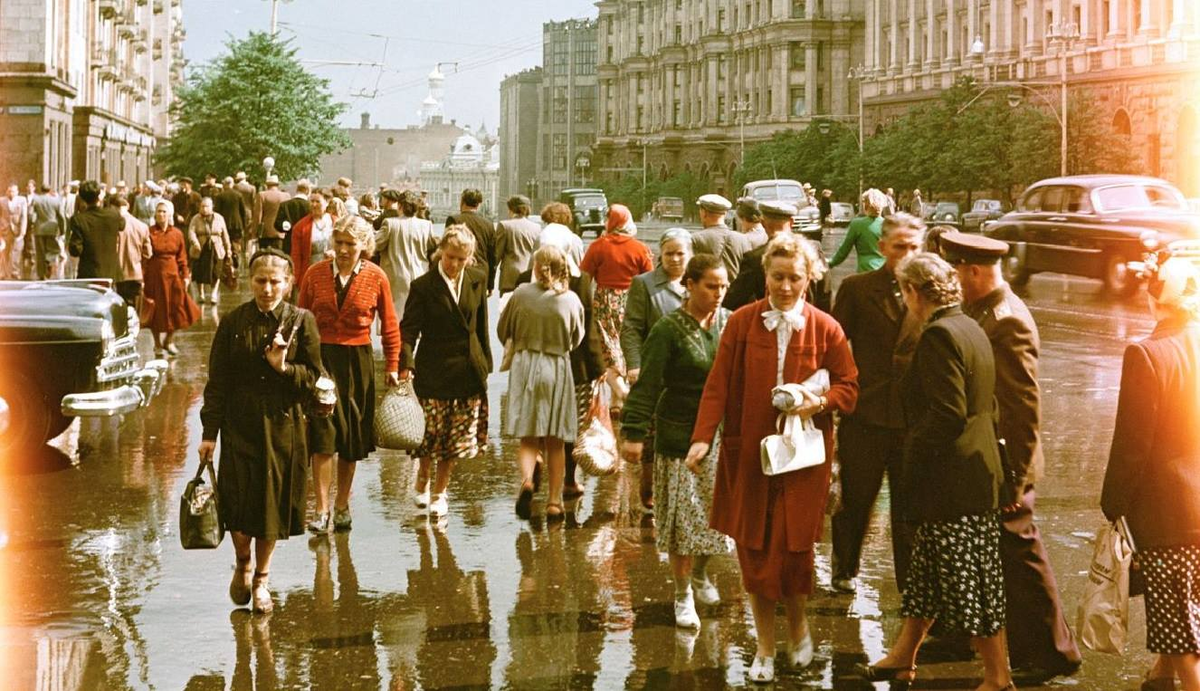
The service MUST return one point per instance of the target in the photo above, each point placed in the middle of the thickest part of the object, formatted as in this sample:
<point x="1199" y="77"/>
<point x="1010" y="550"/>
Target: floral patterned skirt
<point x="454" y="429"/>
<point x="682" y="503"/>
<point x="609" y="307"/>
<point x="956" y="576"/>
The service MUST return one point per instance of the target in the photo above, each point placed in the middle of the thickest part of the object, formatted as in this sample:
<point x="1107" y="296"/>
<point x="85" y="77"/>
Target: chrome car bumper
<point x="147" y="382"/>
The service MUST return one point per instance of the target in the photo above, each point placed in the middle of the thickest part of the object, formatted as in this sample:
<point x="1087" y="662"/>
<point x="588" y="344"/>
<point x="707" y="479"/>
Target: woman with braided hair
<point x="952" y="477"/>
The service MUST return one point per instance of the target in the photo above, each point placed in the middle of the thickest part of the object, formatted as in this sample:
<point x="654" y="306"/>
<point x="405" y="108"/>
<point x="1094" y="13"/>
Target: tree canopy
<point x="254" y="101"/>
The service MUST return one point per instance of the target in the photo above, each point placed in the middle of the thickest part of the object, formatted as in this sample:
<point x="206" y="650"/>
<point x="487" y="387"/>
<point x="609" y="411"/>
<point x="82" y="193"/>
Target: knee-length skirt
<point x="206" y="269"/>
<point x="541" y="397"/>
<point x="956" y="576"/>
<point x="454" y="428"/>
<point x="349" y="432"/>
<point x="682" y="504"/>
<point x="609" y="307"/>
<point x="1172" y="599"/>
<point x="775" y="572"/>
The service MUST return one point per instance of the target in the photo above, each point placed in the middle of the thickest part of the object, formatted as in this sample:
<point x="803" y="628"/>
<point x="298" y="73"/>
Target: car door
<point x="1080" y="232"/>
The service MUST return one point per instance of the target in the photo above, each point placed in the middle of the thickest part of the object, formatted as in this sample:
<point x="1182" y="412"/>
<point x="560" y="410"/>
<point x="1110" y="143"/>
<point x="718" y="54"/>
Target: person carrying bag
<point x="200" y="525"/>
<point x="1103" y="622"/>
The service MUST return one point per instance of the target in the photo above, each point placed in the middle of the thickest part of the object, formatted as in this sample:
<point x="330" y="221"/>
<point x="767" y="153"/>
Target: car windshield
<point x="589" y="202"/>
<point x="1128" y="197"/>
<point x="945" y="207"/>
<point x="986" y="205"/>
<point x="788" y="193"/>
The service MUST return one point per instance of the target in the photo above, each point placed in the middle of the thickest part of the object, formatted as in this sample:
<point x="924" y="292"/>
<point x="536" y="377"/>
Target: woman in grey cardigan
<point x="652" y="295"/>
<point x="545" y="321"/>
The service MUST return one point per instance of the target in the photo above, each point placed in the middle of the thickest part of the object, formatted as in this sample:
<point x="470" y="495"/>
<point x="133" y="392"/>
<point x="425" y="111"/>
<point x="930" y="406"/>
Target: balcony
<point x="126" y="27"/>
<point x="158" y="6"/>
<point x="108" y="8"/>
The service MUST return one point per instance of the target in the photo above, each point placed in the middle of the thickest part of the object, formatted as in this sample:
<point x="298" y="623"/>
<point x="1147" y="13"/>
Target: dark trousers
<point x="1038" y="635"/>
<point x="866" y="453"/>
<point x="130" y="291"/>
<point x="265" y="242"/>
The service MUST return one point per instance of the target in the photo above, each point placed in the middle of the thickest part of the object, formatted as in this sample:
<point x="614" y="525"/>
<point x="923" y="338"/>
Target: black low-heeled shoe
<point x="889" y="674"/>
<point x="525" y="503"/>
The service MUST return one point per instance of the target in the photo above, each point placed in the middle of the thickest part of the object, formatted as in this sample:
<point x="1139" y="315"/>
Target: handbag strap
<point x="212" y="476"/>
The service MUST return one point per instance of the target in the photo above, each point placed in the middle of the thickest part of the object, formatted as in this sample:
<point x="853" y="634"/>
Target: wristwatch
<point x="824" y="404"/>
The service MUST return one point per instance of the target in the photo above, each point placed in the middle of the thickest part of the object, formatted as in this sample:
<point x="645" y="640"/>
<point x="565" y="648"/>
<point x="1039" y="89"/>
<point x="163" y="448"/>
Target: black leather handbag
<point x="200" y="524"/>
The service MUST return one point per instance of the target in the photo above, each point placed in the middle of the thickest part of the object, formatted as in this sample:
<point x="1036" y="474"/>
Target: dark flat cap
<point x="777" y="209"/>
<point x="747" y="207"/>
<point x="391" y="195"/>
<point x="963" y="248"/>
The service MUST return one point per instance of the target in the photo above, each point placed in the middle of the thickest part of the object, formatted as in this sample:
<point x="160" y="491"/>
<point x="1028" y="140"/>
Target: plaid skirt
<point x="1172" y="599"/>
<point x="454" y="429"/>
<point x="609" y="307"/>
<point x="956" y="576"/>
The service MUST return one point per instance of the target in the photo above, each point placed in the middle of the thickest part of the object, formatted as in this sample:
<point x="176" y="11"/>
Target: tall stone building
<point x="520" y="99"/>
<point x="568" y="106"/>
<point x="85" y="87"/>
<point x="385" y="155"/>
<point x="684" y="83"/>
<point x="1139" y="58"/>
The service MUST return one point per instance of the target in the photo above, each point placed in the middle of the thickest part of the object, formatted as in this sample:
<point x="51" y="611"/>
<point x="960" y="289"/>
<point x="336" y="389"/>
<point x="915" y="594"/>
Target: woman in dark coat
<point x="445" y="323"/>
<point x="952" y="479"/>
<point x="265" y="359"/>
<point x="774" y="520"/>
<point x="1153" y="476"/>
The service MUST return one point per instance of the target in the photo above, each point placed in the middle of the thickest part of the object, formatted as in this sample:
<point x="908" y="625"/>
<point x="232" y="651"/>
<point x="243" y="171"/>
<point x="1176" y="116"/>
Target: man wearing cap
<point x="389" y="202"/>
<point x="751" y="283"/>
<point x="749" y="218"/>
<point x="187" y="203"/>
<point x="716" y="238"/>
<point x="210" y="188"/>
<point x="1039" y="639"/>
<point x="873" y="315"/>
<point x="517" y="238"/>
<point x="266" y="210"/>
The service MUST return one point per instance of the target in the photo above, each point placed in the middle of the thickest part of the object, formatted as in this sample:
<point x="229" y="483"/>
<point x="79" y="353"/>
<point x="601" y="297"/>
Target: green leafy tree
<point x="1093" y="146"/>
<point x="824" y="159"/>
<point x="254" y="101"/>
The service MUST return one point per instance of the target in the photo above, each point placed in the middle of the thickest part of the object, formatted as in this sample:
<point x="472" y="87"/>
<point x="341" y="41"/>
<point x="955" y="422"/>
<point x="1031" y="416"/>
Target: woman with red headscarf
<point x="612" y="261"/>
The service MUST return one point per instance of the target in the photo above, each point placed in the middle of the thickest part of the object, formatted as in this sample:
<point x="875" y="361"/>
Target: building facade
<point x="473" y="162"/>
<point x="686" y="84"/>
<point x="1140" y="59"/>
<point x="569" y="108"/>
<point x="520" y="109"/>
<point x="86" y="87"/>
<point x="393" y="156"/>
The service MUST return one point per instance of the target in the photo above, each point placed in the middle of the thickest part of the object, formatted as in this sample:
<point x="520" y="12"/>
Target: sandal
<point x="889" y="674"/>
<point x="555" y="511"/>
<point x="525" y="501"/>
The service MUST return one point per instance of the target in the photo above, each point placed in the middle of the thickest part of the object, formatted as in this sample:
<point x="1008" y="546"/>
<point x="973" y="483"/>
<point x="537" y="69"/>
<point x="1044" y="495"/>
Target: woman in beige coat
<point x="208" y="246"/>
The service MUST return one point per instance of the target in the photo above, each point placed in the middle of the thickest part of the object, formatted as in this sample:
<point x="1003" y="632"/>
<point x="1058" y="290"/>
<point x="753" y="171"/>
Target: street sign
<point x="24" y="110"/>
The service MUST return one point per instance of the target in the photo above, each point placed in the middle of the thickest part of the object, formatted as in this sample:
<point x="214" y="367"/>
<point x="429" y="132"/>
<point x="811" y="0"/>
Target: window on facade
<point x="820" y="8"/>
<point x="797" y="94"/>
<point x="820" y="55"/>
<point x="585" y="104"/>
<point x="677" y="114"/>
<point x="770" y="100"/>
<point x="560" y="151"/>
<point x="820" y="104"/>
<point x="641" y="118"/>
<point x="641" y="43"/>
<point x="559" y="106"/>
<point x="675" y="79"/>
<point x="678" y="34"/>
<point x="722" y="69"/>
<point x="562" y="58"/>
<point x="721" y="20"/>
<point x="798" y="7"/>
<point x="608" y="123"/>
<point x="585" y="57"/>
<point x="721" y="109"/>
<point x="796" y="49"/>
<point x="608" y="54"/>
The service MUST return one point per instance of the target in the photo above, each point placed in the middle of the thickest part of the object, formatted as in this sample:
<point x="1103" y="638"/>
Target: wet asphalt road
<point x="97" y="594"/>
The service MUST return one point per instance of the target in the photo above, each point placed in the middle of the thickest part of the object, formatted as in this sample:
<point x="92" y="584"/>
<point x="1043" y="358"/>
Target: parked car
<point x="668" y="208"/>
<point x="807" y="220"/>
<point x="68" y="349"/>
<point x="842" y="213"/>
<point x="1093" y="226"/>
<point x="589" y="209"/>
<point x="943" y="214"/>
<point x="982" y="211"/>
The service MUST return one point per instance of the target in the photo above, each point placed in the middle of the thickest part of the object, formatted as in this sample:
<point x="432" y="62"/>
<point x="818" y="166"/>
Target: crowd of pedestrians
<point x="927" y="371"/>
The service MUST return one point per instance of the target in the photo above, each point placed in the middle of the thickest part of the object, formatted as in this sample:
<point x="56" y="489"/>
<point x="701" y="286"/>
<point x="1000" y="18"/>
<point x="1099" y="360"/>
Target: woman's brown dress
<point x="164" y="273"/>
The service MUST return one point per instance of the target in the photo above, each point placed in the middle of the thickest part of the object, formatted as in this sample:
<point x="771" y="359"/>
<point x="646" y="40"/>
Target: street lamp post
<point x="857" y="74"/>
<point x="742" y="109"/>
<point x="268" y="165"/>
<point x="1064" y="33"/>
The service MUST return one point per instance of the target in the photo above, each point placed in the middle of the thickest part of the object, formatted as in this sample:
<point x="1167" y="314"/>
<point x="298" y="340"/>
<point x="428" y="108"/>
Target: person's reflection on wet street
<point x="254" y="669"/>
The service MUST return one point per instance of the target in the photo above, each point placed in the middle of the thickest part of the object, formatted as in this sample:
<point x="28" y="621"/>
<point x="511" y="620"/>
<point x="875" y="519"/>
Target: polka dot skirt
<point x="956" y="576"/>
<point x="1172" y="599"/>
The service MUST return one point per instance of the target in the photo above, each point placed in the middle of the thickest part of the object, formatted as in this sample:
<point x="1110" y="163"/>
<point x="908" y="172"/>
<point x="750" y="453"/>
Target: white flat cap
<point x="714" y="202"/>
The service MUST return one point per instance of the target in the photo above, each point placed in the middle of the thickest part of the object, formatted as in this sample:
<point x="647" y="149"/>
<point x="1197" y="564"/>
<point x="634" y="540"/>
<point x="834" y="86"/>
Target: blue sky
<point x="488" y="38"/>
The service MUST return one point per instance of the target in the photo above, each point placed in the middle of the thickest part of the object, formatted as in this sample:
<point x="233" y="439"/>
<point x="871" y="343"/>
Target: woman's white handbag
<point x="798" y="445"/>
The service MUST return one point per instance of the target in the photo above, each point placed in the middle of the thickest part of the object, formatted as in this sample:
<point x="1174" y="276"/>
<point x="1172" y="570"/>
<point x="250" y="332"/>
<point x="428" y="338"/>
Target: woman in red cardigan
<point x="774" y="520"/>
<point x="612" y="261"/>
<point x="346" y="294"/>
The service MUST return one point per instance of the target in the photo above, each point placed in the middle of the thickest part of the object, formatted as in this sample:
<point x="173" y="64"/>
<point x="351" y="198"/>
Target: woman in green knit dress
<point x="676" y="358"/>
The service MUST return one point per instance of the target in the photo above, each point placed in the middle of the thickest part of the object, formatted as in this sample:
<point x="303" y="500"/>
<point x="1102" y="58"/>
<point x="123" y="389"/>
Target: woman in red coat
<point x="774" y="520"/>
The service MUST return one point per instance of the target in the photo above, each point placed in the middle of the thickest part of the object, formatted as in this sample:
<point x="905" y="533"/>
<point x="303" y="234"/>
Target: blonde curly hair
<point x="360" y="229"/>
<point x="792" y="246"/>
<point x="932" y="277"/>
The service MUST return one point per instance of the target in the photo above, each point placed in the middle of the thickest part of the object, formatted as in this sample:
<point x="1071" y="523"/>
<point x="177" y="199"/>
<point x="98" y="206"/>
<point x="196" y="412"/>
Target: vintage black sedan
<point x="1092" y="226"/>
<point x="982" y="211"/>
<point x="68" y="349"/>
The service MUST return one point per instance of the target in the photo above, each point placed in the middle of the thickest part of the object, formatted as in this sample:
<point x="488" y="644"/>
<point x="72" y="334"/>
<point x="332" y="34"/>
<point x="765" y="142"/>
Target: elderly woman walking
<point x="952" y="481"/>
<point x="775" y="520"/>
<point x="651" y="296"/>
<point x="862" y="236"/>
<point x="545" y="322"/>
<point x="613" y="260"/>
<point x="1153" y="476"/>
<point x="345" y="295"/>
<point x="264" y="363"/>
<point x="208" y="246"/>
<point x="676" y="360"/>
<point x="165" y="276"/>
<point x="405" y="244"/>
<point x="446" y="324"/>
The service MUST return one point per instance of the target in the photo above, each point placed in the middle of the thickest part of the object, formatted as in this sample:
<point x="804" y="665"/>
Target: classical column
<point x="1037" y="29"/>
<point x="1180" y="22"/>
<point x="872" y="29"/>
<point x="913" y="36"/>
<point x="951" y="34"/>
<point x="894" y="44"/>
<point x="1114" y="18"/>
<point x="1147" y="27"/>
<point x="972" y="25"/>
<point x="994" y="27"/>
<point x="781" y="86"/>
<point x="810" y="78"/>
<point x="930" y="36"/>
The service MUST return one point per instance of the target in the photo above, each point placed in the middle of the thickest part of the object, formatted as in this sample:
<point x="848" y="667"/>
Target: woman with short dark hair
<point x="405" y="244"/>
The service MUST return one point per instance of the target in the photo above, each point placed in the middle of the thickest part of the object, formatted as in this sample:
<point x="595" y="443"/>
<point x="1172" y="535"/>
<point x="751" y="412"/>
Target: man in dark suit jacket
<point x="228" y="203"/>
<point x="871" y="311"/>
<point x="292" y="211"/>
<point x="94" y="234"/>
<point x="187" y="204"/>
<point x="751" y="282"/>
<point x="1040" y="642"/>
<point x="484" y="230"/>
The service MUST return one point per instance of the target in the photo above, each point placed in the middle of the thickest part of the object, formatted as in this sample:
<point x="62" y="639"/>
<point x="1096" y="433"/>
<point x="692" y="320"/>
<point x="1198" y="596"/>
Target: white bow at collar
<point x="773" y="318"/>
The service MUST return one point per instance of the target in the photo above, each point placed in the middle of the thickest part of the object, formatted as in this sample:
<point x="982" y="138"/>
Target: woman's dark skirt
<point x="956" y="576"/>
<point x="1172" y="599"/>
<point x="349" y="432"/>
<point x="206" y="269"/>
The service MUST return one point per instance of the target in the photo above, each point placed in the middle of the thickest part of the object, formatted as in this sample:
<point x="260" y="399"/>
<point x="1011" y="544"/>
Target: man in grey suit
<point x="49" y="226"/>
<point x="517" y="239"/>
<point x="266" y="210"/>
<point x="716" y="238"/>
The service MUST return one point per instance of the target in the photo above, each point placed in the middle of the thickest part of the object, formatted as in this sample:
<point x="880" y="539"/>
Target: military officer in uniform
<point x="871" y="310"/>
<point x="1040" y="642"/>
<point x="750" y="285"/>
<point x="716" y="238"/>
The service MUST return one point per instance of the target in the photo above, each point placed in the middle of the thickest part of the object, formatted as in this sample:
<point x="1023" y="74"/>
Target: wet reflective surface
<point x="96" y="593"/>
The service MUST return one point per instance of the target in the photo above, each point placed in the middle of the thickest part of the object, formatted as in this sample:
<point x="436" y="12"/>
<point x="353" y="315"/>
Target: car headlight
<point x="1149" y="240"/>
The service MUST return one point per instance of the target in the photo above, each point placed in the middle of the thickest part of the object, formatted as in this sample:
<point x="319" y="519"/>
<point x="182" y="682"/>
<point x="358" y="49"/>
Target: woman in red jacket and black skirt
<point x="346" y="294"/>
